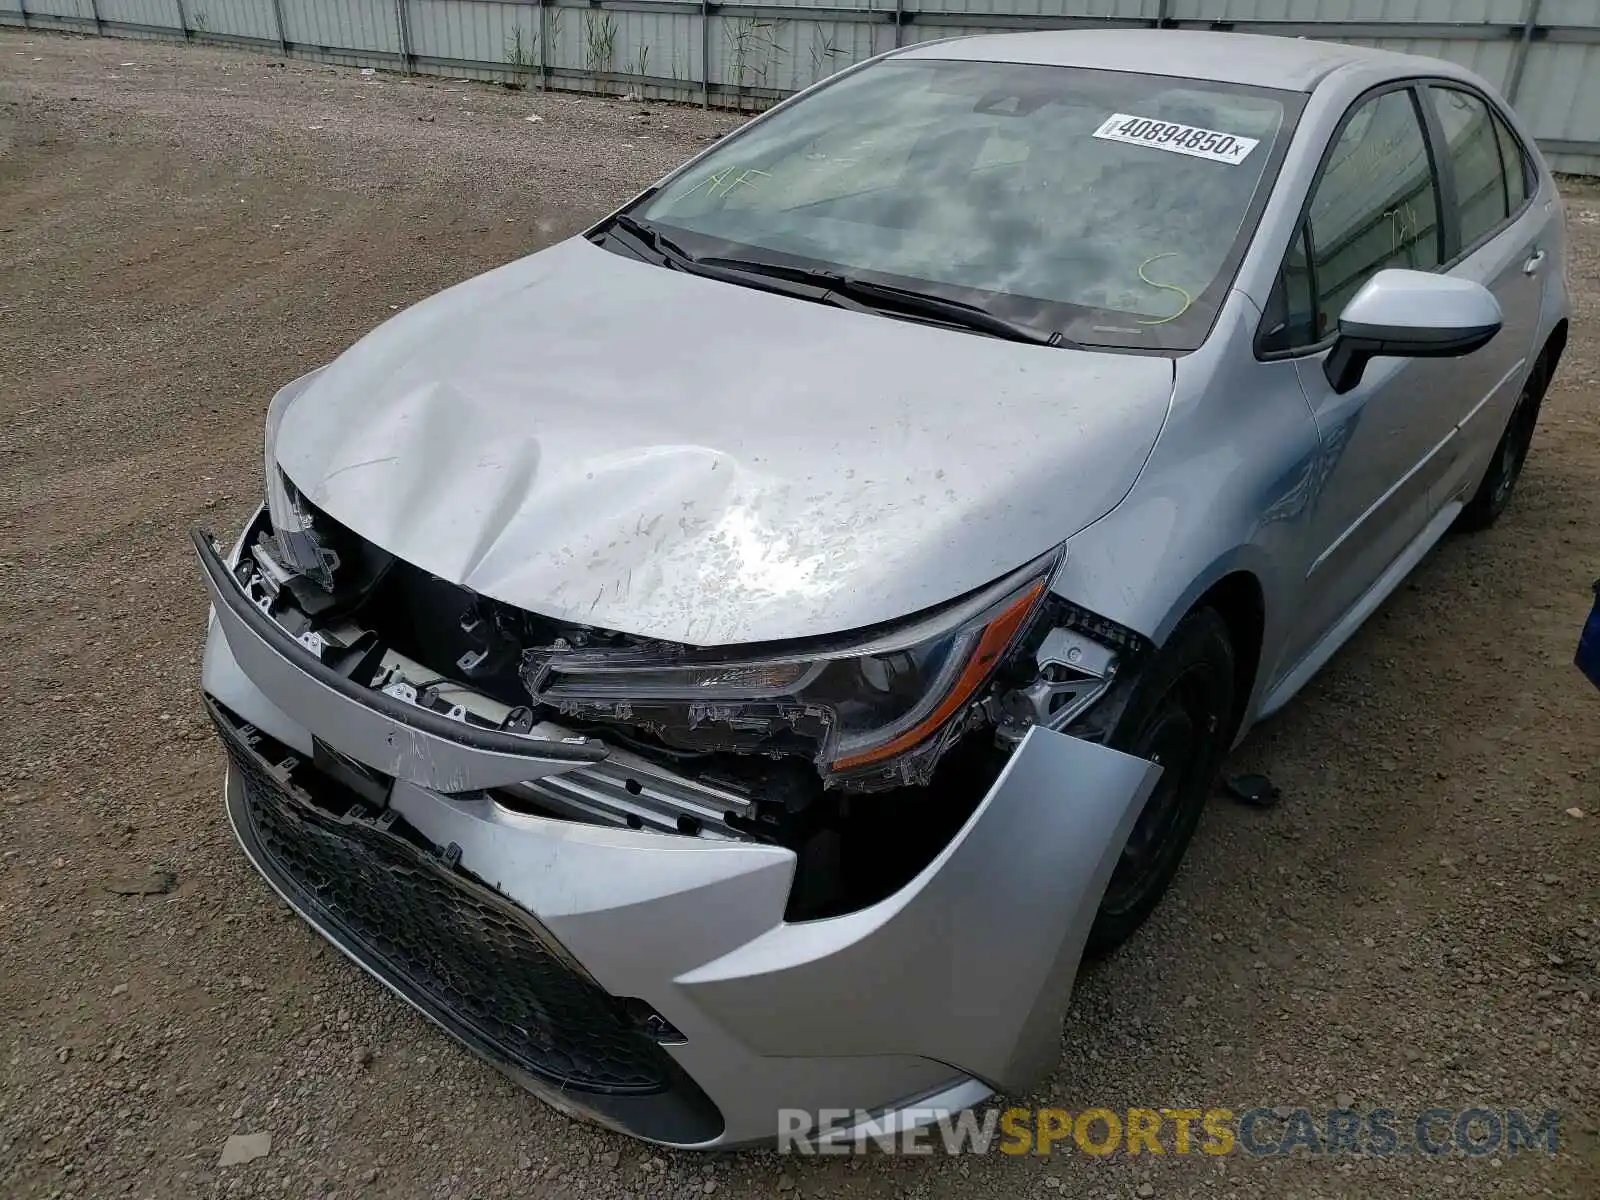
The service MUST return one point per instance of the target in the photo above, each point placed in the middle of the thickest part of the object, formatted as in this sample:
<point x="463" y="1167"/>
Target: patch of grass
<point x="824" y="53"/>
<point x="600" y="40"/>
<point x="549" y="43"/>
<point x="753" y="50"/>
<point x="520" y="54"/>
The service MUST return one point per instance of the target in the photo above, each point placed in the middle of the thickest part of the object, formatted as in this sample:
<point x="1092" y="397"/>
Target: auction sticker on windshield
<point x="1192" y="140"/>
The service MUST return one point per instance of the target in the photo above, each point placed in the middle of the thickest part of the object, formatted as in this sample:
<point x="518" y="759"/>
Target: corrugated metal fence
<point x="1544" y="54"/>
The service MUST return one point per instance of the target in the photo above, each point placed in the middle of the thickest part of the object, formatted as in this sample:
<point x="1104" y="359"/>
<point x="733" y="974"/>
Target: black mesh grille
<point x="436" y="931"/>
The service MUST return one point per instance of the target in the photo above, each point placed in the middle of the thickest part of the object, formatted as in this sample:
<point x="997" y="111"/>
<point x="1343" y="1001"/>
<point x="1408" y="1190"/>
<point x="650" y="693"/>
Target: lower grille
<point x="447" y="940"/>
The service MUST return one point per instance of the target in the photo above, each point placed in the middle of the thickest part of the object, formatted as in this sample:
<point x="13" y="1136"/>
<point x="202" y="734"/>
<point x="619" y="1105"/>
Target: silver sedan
<point x="741" y="659"/>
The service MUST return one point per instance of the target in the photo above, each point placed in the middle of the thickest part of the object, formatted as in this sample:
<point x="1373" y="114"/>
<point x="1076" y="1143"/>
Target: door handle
<point x="1535" y="261"/>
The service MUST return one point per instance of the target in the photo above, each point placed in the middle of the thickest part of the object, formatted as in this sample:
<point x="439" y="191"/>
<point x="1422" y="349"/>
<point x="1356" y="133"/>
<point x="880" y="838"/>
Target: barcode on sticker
<point x="1180" y="139"/>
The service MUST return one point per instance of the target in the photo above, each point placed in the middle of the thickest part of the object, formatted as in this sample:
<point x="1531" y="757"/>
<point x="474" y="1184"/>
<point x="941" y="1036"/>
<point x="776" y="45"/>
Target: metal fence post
<point x="183" y="19"/>
<point x="22" y="8"/>
<point x="1519" y="60"/>
<point x="1163" y="13"/>
<point x="899" y="20"/>
<point x="544" y="50"/>
<point x="277" y="23"/>
<point x="402" y="25"/>
<point x="705" y="53"/>
<point x="94" y="12"/>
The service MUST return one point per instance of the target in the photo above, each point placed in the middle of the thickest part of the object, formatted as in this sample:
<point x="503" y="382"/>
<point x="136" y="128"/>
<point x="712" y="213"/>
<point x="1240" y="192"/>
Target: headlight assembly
<point x="885" y="703"/>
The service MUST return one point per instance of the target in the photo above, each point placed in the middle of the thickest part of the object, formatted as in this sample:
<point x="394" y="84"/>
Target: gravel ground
<point x="184" y="229"/>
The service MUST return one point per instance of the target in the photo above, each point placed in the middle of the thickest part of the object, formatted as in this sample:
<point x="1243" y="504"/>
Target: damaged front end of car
<point x="862" y="752"/>
<point x="777" y="872"/>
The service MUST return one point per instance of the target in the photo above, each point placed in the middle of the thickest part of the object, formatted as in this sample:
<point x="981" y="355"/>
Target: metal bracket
<point x="1074" y="672"/>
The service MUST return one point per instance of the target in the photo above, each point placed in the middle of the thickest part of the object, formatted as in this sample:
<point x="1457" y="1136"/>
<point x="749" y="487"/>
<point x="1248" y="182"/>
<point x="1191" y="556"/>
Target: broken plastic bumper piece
<point x="635" y="976"/>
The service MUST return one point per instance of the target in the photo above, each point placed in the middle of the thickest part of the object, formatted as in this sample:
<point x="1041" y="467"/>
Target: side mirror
<point x="1410" y="314"/>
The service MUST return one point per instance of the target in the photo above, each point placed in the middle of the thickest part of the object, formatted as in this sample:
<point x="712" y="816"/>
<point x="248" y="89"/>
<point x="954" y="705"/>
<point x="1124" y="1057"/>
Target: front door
<point x="1377" y="204"/>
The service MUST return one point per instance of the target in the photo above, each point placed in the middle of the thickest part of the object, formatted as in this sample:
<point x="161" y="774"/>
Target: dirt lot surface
<point x="182" y="230"/>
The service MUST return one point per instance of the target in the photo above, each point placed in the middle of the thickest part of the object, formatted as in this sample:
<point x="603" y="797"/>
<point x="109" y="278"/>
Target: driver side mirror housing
<point x="1410" y="314"/>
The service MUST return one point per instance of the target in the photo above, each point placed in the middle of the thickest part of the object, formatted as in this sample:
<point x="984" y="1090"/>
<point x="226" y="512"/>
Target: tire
<point x="1179" y="711"/>
<point x="1510" y="453"/>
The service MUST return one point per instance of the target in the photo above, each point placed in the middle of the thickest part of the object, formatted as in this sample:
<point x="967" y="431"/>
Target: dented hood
<point x="617" y="444"/>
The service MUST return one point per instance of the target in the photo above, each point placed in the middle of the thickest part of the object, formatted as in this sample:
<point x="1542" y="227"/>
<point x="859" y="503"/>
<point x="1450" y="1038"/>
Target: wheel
<point x="1500" y="480"/>
<point x="1178" y="713"/>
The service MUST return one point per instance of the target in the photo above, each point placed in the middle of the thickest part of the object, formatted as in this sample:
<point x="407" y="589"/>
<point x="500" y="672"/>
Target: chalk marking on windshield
<point x="1188" y="300"/>
<point x="741" y="180"/>
<point x="714" y="179"/>
<point x="725" y="181"/>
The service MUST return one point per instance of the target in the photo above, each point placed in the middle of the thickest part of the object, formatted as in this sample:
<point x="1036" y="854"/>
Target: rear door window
<point x="1516" y="164"/>
<point x="1487" y="192"/>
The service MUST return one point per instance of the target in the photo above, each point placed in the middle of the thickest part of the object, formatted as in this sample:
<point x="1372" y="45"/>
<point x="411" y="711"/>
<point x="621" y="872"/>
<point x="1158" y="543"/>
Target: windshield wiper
<point x="882" y="296"/>
<point x="956" y="312"/>
<point x="655" y="240"/>
<point x="728" y="270"/>
<point x="830" y="287"/>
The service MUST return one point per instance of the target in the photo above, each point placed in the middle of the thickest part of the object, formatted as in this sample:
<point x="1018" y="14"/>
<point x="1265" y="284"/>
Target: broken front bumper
<point x="648" y="980"/>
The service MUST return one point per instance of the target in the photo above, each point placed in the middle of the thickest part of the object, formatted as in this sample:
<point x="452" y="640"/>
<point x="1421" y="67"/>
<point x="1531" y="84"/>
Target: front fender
<point x="1230" y="487"/>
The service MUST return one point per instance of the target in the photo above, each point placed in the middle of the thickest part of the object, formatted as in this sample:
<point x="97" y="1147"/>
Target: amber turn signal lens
<point x="996" y="637"/>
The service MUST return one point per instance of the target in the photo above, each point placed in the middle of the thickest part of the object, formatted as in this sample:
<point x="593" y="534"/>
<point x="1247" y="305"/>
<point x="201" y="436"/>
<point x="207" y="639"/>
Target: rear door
<point x="1493" y="237"/>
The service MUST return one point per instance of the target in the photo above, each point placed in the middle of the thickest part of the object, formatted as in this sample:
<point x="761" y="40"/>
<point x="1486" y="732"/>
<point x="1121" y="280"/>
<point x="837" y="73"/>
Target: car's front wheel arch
<point x="1174" y="711"/>
<point x="1239" y="600"/>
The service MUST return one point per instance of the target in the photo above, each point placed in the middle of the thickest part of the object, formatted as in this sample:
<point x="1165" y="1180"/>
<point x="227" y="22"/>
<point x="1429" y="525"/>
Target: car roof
<point x="1259" y="60"/>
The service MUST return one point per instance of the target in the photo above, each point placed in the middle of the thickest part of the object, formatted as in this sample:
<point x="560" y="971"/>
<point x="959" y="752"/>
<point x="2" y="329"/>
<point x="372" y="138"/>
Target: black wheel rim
<point x="1180" y="735"/>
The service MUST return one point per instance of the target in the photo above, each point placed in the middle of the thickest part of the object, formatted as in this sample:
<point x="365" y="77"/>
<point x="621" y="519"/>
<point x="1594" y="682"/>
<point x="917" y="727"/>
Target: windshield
<point x="1108" y="206"/>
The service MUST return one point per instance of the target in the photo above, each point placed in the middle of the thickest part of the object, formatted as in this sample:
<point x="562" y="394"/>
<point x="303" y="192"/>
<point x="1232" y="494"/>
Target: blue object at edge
<point x="1588" y="657"/>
